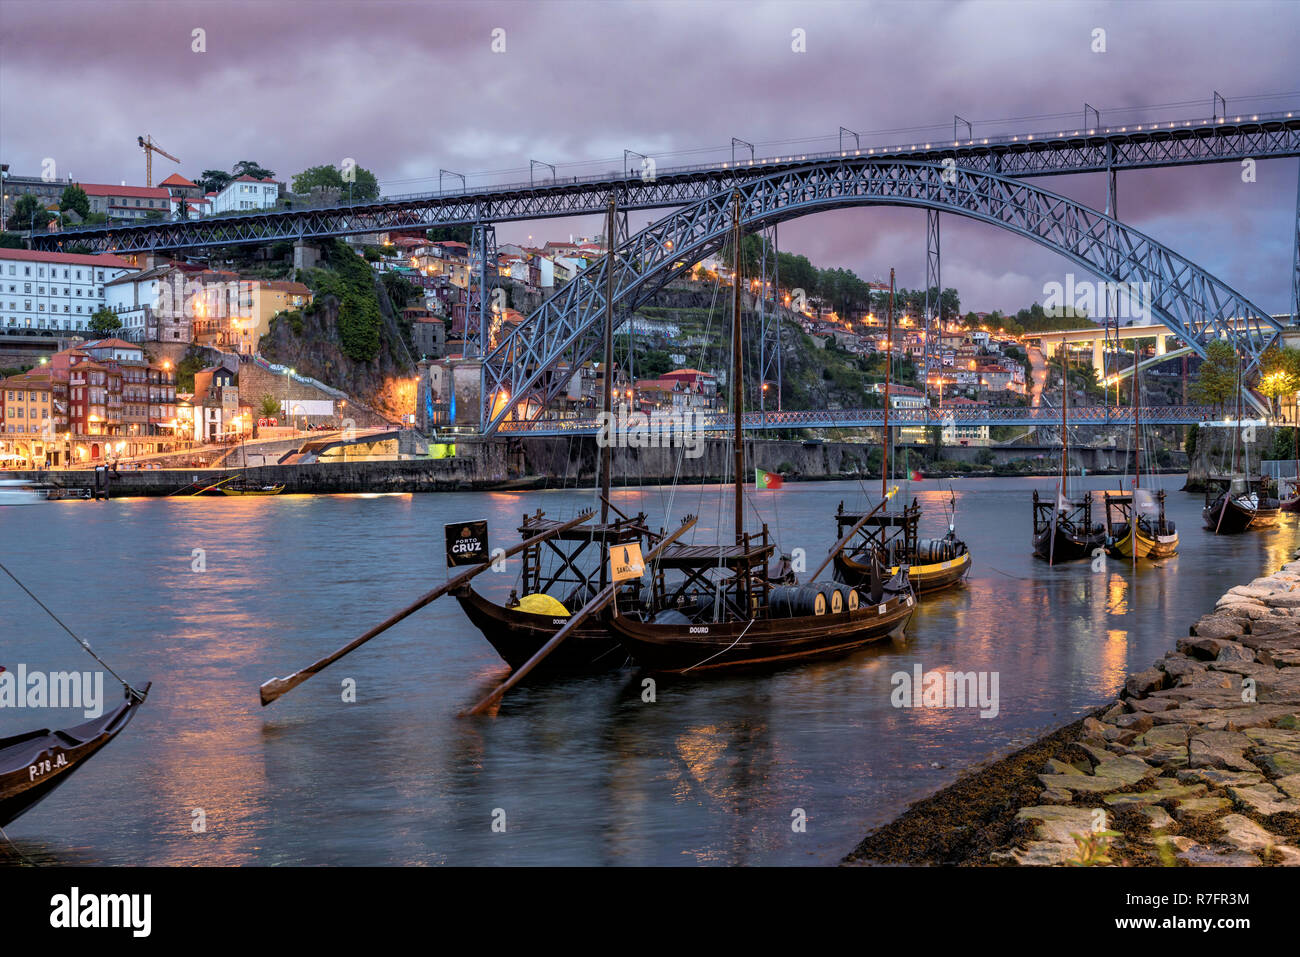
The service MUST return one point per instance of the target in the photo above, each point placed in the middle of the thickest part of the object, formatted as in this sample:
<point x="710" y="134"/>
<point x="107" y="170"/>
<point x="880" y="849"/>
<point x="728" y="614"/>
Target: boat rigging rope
<point x="135" y="694"/>
<point x="21" y="856"/>
<point x="724" y="650"/>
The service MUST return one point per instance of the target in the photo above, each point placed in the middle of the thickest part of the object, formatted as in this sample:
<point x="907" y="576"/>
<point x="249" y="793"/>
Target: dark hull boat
<point x="518" y="635"/>
<point x="1228" y="516"/>
<point x="1065" y="544"/>
<point x="34" y="764"/>
<point x="683" y="647"/>
<point x="1237" y="508"/>
<point x="932" y="564"/>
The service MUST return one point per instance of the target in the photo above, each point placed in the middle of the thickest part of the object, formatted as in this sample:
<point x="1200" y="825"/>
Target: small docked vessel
<point x="1063" y="527"/>
<point x="565" y="567"/>
<point x="1233" y="502"/>
<point x="726" y="609"/>
<point x="1152" y="536"/>
<point x="931" y="564"/>
<point x="251" y="488"/>
<point x="1136" y="526"/>
<point x="32" y="765"/>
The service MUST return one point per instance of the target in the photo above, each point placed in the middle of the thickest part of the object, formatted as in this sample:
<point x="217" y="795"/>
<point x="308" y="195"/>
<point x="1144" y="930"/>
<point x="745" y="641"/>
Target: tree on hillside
<point x="252" y="168"/>
<point x="29" y="213"/>
<point x="1279" y="374"/>
<point x="74" y="198"/>
<point x="451" y="234"/>
<point x="10" y="240"/>
<point x="105" y="322"/>
<point x="214" y="180"/>
<point x="1216" y="379"/>
<point x="268" y="406"/>
<point x="361" y="185"/>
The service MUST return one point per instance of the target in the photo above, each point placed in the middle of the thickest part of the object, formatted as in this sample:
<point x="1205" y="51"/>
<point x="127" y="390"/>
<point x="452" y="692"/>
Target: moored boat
<point x="32" y="765"/>
<point x="1152" y="536"/>
<point x="1064" y="530"/>
<point x="21" y="492"/>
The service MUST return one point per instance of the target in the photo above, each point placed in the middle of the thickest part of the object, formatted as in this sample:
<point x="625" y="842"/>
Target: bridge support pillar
<point x="1295" y="261"/>
<point x="478" y="306"/>
<point x="305" y="255"/>
<point x="1161" y="345"/>
<point x="933" y="304"/>
<point x="1099" y="357"/>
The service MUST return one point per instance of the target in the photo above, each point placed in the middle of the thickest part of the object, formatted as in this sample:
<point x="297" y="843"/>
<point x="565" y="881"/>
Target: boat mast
<point x="737" y="372"/>
<point x="889" y="362"/>
<point x="607" y="453"/>
<point x="1137" y="428"/>
<point x="1065" y="428"/>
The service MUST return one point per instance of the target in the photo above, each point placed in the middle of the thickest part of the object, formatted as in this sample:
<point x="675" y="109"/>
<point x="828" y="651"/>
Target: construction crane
<point x="150" y="147"/>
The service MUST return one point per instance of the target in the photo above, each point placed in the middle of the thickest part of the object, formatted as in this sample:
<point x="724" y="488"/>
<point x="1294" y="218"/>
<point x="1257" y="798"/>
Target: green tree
<point x="29" y="212"/>
<point x="1216" y="379"/>
<point x="214" y="180"/>
<point x="251" y="168"/>
<point x="451" y="234"/>
<point x="400" y="292"/>
<point x="10" y="240"/>
<point x="1279" y="374"/>
<point x="105" y="322"/>
<point x="74" y="198"/>
<point x="361" y="184"/>
<point x="268" y="406"/>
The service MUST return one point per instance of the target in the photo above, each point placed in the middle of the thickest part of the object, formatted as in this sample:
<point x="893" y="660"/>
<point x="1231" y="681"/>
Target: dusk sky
<point x="408" y="88"/>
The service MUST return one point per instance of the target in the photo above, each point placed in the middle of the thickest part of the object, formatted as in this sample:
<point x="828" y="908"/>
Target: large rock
<point x="1264" y="799"/>
<point x="1221" y="749"/>
<point x="1218" y="626"/>
<point x="1144" y="682"/>
<point x="1055" y="823"/>
<point x="1244" y="834"/>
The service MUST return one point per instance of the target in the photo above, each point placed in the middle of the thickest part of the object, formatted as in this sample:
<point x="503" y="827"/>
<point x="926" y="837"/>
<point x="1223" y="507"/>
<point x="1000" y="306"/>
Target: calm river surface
<point x="584" y="771"/>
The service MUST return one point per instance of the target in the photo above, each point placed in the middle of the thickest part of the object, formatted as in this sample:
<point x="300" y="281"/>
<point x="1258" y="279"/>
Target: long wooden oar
<point x="275" y="687"/>
<point x="601" y="599"/>
<point x="839" y="546"/>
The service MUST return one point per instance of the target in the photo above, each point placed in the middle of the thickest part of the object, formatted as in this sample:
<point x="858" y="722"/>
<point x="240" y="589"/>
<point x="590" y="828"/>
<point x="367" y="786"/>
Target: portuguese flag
<point x="766" y="480"/>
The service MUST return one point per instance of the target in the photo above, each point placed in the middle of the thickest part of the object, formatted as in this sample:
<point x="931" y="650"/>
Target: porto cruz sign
<point x="467" y="543"/>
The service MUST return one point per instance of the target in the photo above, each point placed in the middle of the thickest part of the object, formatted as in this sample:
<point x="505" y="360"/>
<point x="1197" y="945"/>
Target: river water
<point x="716" y="770"/>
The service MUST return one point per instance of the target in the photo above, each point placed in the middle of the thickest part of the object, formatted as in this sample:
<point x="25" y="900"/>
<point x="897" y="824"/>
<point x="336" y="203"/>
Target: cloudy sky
<point x="407" y="88"/>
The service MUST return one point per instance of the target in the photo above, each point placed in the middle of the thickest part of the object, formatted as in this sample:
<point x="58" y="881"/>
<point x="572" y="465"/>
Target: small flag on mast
<point x="766" y="481"/>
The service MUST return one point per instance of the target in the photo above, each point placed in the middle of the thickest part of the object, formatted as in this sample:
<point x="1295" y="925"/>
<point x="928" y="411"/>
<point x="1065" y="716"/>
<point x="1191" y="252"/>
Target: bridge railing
<point x="1103" y="416"/>
<point x="1033" y="139"/>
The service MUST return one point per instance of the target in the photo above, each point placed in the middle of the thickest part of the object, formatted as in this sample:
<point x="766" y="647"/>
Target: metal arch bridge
<point x="1054" y="152"/>
<point x="567" y="328"/>
<point x="721" y="422"/>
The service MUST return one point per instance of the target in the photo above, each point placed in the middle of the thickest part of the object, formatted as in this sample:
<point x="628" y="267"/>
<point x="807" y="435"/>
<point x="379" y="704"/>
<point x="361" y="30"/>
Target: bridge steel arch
<point x="568" y="327"/>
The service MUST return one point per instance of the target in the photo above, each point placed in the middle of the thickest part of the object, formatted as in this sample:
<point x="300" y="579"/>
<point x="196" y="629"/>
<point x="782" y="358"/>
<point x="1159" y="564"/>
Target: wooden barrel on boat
<point x="798" y="601"/>
<point x="836" y="595"/>
<point x="931" y="551"/>
<point x="854" y="599"/>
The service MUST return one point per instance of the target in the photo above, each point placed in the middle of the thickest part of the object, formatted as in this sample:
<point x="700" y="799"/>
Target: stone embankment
<point x="1196" y="763"/>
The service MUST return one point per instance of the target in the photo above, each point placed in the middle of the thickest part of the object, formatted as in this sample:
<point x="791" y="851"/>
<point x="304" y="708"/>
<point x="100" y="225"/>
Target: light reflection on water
<point x="584" y="770"/>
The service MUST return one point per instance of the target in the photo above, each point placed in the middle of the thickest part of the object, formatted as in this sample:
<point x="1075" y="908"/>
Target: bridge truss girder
<point x="1193" y="304"/>
<point x="1080" y="152"/>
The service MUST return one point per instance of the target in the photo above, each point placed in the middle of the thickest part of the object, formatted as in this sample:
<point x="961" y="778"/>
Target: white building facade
<point x="246" y="194"/>
<point x="54" y="291"/>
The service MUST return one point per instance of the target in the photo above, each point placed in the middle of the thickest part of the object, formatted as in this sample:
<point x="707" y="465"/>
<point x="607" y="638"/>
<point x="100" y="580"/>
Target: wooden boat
<point x="1155" y="536"/>
<point x="1291" y="503"/>
<point x="932" y="564"/>
<point x="578" y="569"/>
<point x="32" y="765"/>
<point x="1232" y="506"/>
<point x="251" y="488"/>
<point x="1064" y="530"/>
<point x="518" y="633"/>
<point x="1136" y="525"/>
<point x="725" y="608"/>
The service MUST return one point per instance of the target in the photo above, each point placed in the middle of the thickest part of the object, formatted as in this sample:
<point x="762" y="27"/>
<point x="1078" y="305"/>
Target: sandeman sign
<point x="625" y="562"/>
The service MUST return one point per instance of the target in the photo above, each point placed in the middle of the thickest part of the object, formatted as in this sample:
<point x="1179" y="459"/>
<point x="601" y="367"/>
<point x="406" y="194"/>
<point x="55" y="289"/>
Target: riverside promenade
<point x="1196" y="763"/>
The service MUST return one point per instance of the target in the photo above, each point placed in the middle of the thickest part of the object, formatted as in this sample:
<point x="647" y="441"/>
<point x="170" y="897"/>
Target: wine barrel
<point x="836" y="596"/>
<point x="798" y="601"/>
<point x="854" y="599"/>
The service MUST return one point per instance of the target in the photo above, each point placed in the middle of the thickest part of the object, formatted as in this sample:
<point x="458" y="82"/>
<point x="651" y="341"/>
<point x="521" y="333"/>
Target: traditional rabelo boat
<point x="1291" y="501"/>
<point x="1136" y="526"/>
<point x="892" y="537"/>
<point x="1234" y="503"/>
<point x="34" y="764"/>
<point x="726" y="608"/>
<point x="577" y="569"/>
<point x="1063" y="528"/>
